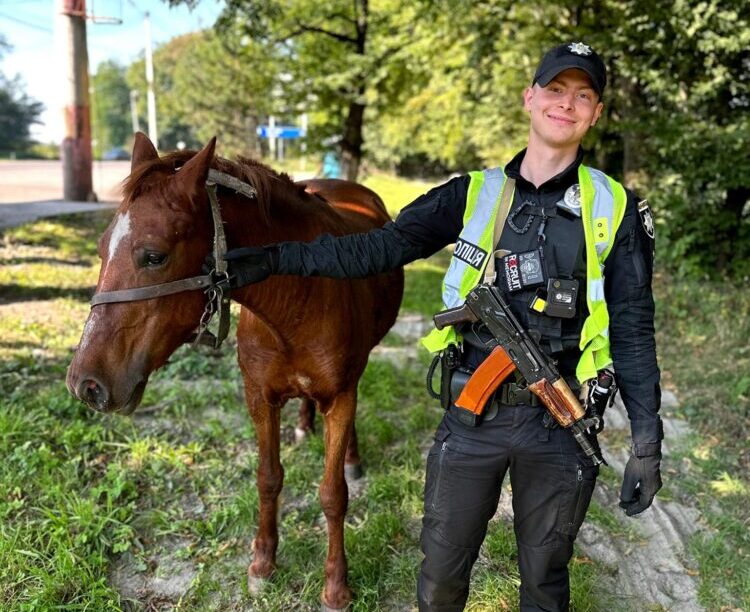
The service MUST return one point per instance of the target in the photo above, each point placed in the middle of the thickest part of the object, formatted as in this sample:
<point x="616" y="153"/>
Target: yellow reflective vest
<point x="603" y="203"/>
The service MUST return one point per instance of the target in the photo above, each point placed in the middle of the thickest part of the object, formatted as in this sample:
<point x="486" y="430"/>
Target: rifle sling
<point x="506" y="198"/>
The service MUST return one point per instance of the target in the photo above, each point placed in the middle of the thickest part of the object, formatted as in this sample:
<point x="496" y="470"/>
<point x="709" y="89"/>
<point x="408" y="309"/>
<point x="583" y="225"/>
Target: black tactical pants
<point x="552" y="485"/>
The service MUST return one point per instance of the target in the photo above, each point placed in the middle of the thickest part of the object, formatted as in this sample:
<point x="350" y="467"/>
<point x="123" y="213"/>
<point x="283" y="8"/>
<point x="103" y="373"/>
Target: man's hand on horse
<point x="642" y="480"/>
<point x="248" y="265"/>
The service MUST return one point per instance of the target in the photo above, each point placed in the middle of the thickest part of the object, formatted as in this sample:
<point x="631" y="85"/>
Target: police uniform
<point x="552" y="480"/>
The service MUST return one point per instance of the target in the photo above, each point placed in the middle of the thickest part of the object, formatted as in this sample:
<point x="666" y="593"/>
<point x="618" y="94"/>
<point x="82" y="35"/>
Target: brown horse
<point x="297" y="337"/>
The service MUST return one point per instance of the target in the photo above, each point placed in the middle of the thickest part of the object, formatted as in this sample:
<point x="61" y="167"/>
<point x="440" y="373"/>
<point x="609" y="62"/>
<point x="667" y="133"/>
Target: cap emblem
<point x="579" y="48"/>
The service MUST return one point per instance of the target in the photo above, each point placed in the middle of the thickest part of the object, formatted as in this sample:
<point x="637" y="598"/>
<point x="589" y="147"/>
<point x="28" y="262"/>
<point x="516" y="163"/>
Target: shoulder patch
<point x="647" y="219"/>
<point x="470" y="253"/>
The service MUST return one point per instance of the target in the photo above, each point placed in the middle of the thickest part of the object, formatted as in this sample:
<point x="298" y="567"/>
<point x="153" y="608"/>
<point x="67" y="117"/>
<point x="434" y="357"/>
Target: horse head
<point x="161" y="232"/>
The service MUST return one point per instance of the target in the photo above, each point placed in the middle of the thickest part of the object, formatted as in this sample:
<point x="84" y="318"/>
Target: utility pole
<point x="134" y="111"/>
<point x="76" y="146"/>
<point x="150" y="98"/>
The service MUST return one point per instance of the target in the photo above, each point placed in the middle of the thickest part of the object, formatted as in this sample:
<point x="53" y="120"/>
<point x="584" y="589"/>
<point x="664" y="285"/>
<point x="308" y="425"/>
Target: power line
<point x="26" y="23"/>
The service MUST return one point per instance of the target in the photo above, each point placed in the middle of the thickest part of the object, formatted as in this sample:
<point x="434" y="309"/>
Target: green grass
<point x="396" y="192"/>
<point x="170" y="491"/>
<point x="702" y="335"/>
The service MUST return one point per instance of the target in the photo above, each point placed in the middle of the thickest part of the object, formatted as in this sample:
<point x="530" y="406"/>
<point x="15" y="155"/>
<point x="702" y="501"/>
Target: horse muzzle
<point x="98" y="396"/>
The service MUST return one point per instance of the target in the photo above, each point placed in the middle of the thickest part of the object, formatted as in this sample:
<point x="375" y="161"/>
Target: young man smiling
<point x="568" y="225"/>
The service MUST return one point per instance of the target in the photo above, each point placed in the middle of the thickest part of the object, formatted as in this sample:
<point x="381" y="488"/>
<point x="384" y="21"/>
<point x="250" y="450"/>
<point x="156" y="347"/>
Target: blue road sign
<point x="281" y="131"/>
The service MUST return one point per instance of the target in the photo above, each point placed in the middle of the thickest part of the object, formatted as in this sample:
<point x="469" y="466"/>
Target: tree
<point x="207" y="86"/>
<point x="689" y="65"/>
<point x="224" y="83"/>
<point x="110" y="116"/>
<point x="173" y="127"/>
<point x="18" y="112"/>
<point x="342" y="57"/>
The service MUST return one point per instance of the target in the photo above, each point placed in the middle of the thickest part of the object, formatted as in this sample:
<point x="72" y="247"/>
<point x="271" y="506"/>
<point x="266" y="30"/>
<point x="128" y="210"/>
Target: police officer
<point x="568" y="226"/>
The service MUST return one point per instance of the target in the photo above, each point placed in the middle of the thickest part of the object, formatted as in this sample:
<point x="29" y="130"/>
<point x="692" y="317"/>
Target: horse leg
<point x="270" y="479"/>
<point x="352" y="463"/>
<point x="306" y="420"/>
<point x="339" y="417"/>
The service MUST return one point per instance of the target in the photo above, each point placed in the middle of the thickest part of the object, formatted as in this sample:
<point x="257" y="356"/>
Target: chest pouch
<point x="523" y="271"/>
<point x="560" y="301"/>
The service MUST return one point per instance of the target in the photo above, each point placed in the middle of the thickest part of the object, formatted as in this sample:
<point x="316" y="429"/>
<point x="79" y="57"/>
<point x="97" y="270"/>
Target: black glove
<point x="249" y="265"/>
<point x="641" y="481"/>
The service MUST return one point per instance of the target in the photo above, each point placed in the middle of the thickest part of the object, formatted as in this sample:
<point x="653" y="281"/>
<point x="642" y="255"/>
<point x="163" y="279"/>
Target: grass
<point x="702" y="335"/>
<point x="95" y="511"/>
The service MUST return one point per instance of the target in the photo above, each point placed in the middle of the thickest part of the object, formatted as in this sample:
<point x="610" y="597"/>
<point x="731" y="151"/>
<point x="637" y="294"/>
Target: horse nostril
<point x="91" y="392"/>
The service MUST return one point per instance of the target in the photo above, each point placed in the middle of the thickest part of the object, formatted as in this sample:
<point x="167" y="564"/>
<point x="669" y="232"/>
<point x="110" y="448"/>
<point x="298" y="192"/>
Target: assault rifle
<point x="514" y="349"/>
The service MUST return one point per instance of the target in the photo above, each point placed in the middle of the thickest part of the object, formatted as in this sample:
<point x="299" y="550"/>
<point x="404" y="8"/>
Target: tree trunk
<point x="351" y="145"/>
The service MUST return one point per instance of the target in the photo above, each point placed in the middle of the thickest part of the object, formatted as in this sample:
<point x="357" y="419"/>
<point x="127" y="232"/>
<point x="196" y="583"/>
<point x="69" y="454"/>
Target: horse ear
<point x="143" y="150"/>
<point x="194" y="173"/>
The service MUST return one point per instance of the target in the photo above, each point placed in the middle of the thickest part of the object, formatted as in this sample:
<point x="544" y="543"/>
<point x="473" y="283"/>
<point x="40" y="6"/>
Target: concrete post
<point x="76" y="145"/>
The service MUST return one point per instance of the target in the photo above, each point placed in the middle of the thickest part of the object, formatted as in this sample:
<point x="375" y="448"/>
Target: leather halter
<point x="215" y="284"/>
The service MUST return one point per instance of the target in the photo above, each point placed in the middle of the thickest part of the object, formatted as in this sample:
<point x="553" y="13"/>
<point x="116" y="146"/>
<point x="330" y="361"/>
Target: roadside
<point x="32" y="189"/>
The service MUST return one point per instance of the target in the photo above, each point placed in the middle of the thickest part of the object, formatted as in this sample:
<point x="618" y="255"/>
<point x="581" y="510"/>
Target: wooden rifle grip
<point x="559" y="399"/>
<point x="485" y="380"/>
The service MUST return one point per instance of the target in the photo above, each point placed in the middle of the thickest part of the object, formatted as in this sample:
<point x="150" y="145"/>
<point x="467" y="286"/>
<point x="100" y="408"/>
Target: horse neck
<point x="292" y="217"/>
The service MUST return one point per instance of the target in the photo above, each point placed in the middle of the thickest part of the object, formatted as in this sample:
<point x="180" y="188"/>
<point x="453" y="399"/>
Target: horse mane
<point x="149" y="174"/>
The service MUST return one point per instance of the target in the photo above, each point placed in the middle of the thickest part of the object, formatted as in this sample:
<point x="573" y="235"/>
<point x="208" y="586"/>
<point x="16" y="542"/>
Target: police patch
<point x="470" y="254"/>
<point x="647" y="219"/>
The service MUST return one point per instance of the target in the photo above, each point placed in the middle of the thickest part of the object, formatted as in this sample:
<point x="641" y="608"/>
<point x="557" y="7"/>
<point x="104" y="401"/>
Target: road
<point x="35" y="181"/>
<point x="33" y="189"/>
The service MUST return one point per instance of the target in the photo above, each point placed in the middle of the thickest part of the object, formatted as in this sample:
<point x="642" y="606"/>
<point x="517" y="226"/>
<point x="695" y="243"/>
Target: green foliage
<point x="18" y="112"/>
<point x="173" y="127"/>
<point x="434" y="87"/>
<point x="208" y="85"/>
<point x="693" y="119"/>
<point x="110" y="107"/>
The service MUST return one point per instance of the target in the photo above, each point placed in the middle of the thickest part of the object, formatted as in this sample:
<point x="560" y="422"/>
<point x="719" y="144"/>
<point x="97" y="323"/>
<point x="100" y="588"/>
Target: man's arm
<point x="628" y="273"/>
<point x="428" y="224"/>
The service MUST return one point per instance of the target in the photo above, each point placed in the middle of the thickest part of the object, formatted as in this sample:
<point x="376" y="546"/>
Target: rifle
<point x="514" y="348"/>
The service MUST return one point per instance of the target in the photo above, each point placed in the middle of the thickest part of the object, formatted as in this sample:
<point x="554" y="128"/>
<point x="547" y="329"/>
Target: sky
<point x="29" y="27"/>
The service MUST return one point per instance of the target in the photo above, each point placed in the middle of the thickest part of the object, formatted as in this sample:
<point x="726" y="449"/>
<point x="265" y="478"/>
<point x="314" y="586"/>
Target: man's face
<point x="563" y="111"/>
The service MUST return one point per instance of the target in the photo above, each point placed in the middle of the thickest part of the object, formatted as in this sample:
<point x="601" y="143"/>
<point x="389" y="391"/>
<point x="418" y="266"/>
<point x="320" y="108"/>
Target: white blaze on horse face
<point x="120" y="231"/>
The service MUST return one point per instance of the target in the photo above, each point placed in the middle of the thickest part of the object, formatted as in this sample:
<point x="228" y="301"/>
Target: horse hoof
<point x="300" y="434"/>
<point x="353" y="471"/>
<point x="255" y="585"/>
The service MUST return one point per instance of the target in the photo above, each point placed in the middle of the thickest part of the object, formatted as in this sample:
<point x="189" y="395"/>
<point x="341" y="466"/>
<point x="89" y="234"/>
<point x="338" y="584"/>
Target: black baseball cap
<point x="572" y="55"/>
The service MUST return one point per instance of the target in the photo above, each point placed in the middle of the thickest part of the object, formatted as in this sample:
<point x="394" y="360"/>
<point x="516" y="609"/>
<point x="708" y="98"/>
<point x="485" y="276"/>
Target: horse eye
<point x="154" y="259"/>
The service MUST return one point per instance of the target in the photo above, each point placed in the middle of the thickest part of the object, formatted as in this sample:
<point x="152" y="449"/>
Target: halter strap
<point x="214" y="283"/>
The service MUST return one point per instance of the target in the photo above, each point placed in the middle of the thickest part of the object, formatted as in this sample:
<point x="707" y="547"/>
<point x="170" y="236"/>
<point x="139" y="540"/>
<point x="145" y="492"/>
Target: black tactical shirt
<point x="435" y="220"/>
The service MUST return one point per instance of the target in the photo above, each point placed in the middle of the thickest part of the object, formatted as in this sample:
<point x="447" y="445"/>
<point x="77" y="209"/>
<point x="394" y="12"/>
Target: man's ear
<point x="143" y="150"/>
<point x="597" y="113"/>
<point x="528" y="94"/>
<point x="192" y="176"/>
